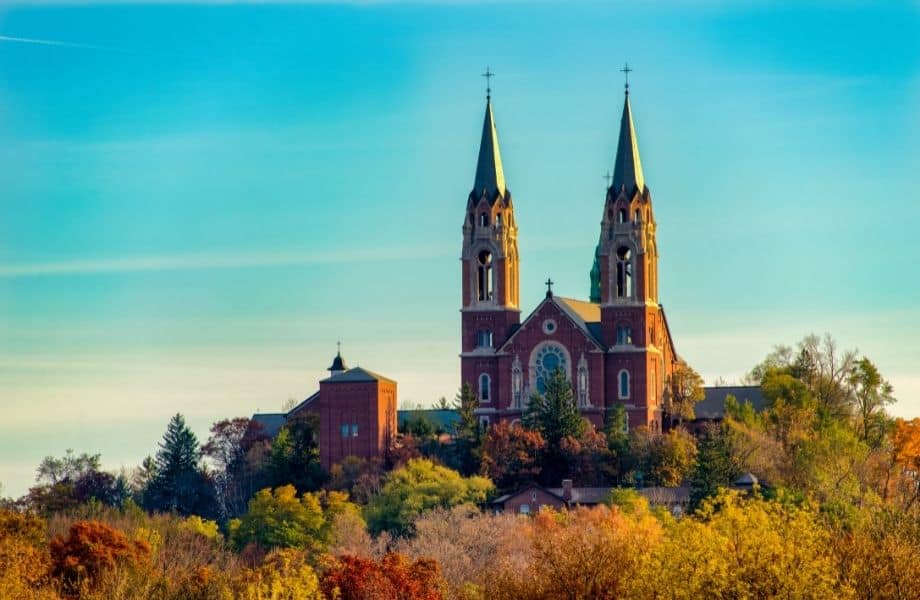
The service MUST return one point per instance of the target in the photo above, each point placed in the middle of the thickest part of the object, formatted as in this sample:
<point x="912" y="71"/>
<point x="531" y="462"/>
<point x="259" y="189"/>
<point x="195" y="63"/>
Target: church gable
<point x="553" y="320"/>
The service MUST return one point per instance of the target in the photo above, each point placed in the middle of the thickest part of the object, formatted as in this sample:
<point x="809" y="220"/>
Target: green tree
<point x="554" y="414"/>
<point x="662" y="459"/>
<point x="467" y="433"/>
<point x="871" y="393"/>
<point x="419" y="486"/>
<point x="278" y="518"/>
<point x="179" y="484"/>
<point x="714" y="469"/>
<point x="294" y="455"/>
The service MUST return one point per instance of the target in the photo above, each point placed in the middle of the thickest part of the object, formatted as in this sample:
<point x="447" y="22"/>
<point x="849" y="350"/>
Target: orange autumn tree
<point x="90" y="549"/>
<point x="904" y="473"/>
<point x="395" y="577"/>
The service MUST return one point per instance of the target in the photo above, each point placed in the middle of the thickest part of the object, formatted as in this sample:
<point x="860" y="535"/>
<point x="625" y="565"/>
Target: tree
<point x="179" y="484"/>
<point x="294" y="455"/>
<point x="554" y="414"/>
<point x="278" y="518"/>
<point x="683" y="389"/>
<point x="360" y="477"/>
<point x="90" y="549"/>
<point x="395" y="576"/>
<point x="714" y="469"/>
<point x="467" y="432"/>
<point x="902" y="480"/>
<point x="442" y="404"/>
<point x="510" y="455"/>
<point x="68" y="468"/>
<point x="420" y="486"/>
<point x="230" y="447"/>
<point x="662" y="459"/>
<point x="871" y="393"/>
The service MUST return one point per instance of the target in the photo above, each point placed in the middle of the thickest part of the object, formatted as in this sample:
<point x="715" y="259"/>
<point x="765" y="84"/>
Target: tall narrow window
<point x="637" y="216"/>
<point x="624" y="273"/>
<point x="498" y="219"/>
<point x="583" y="382"/>
<point x="484" y="219"/>
<point x="485" y="388"/>
<point x="624" y="384"/>
<point x="621" y="216"/>
<point x="485" y="279"/>
<point x="624" y="335"/>
<point x="516" y="383"/>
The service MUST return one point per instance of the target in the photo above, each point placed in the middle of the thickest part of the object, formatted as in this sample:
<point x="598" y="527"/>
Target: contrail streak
<point x="22" y="40"/>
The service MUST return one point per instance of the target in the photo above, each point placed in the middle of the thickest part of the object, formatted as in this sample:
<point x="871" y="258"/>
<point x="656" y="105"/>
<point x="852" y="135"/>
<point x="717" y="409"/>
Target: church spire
<point x="627" y="169"/>
<point x="489" y="174"/>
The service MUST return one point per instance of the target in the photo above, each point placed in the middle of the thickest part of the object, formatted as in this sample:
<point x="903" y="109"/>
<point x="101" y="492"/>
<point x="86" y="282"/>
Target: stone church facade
<point x="615" y="347"/>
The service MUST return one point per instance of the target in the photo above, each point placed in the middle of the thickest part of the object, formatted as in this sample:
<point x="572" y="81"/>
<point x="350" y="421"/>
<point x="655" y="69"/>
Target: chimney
<point x="567" y="490"/>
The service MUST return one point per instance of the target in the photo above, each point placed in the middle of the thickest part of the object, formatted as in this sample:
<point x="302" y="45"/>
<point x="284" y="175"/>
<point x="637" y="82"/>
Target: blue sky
<point x="198" y="200"/>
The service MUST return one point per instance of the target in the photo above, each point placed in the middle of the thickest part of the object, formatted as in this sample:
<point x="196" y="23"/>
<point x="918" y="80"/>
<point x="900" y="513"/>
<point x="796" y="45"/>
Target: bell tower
<point x="490" y="261"/>
<point x="624" y="281"/>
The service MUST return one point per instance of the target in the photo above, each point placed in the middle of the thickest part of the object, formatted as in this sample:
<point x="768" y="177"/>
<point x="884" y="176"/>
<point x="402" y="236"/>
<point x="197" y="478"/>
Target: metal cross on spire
<point x="338" y="346"/>
<point x="488" y="75"/>
<point x="549" y="287"/>
<point x="626" y="71"/>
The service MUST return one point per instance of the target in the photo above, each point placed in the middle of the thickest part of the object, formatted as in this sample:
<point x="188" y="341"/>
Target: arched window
<point x="516" y="383"/>
<point x="621" y="216"/>
<point x="484" y="219"/>
<point x="484" y="338"/>
<point x="623" y="387"/>
<point x="485" y="283"/>
<point x="545" y="360"/>
<point x="624" y="335"/>
<point x="624" y="273"/>
<point x="637" y="216"/>
<point x="498" y="219"/>
<point x="485" y="388"/>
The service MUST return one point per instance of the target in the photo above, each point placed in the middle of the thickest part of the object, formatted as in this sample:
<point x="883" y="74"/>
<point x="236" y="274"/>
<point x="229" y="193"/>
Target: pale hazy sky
<point x="197" y="201"/>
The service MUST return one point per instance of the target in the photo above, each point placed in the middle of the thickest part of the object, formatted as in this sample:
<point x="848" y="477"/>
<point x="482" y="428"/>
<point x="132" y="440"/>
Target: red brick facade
<point x="357" y="414"/>
<point x="615" y="348"/>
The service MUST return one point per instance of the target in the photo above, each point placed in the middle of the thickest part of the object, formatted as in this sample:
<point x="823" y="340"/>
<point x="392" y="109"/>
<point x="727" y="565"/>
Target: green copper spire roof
<point x="489" y="174"/>
<point x="627" y="169"/>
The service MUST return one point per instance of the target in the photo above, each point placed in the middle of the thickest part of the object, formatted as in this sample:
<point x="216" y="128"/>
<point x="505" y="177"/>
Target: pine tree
<point x="555" y="414"/>
<point x="179" y="485"/>
<point x="467" y="433"/>
<point x="714" y="466"/>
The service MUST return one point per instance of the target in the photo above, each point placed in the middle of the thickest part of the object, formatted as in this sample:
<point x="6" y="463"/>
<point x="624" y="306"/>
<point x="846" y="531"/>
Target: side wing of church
<point x="614" y="347"/>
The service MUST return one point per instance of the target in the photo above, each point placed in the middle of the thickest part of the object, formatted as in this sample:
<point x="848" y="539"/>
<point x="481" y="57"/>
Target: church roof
<point x="489" y="174"/>
<point x="712" y="407"/>
<point x="586" y="315"/>
<point x="269" y="423"/>
<point x="356" y="375"/>
<point x="627" y="168"/>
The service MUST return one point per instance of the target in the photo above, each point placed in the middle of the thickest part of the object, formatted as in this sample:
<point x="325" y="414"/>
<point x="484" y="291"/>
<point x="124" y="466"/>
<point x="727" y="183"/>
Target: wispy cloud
<point x="193" y="262"/>
<point x="25" y="40"/>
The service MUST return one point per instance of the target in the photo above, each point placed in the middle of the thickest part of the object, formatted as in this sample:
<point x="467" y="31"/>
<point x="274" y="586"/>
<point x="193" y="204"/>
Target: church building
<point x="615" y="347"/>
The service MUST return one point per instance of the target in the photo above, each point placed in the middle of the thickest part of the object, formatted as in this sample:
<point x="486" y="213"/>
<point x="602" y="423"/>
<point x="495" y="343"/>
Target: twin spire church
<point x="615" y="347"/>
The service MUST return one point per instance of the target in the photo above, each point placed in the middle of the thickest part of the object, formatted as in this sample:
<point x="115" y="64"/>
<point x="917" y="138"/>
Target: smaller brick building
<point x="356" y="410"/>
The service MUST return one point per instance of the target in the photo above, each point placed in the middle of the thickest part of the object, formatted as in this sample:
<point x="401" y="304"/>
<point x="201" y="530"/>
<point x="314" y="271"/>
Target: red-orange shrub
<point x="91" y="548"/>
<point x="393" y="578"/>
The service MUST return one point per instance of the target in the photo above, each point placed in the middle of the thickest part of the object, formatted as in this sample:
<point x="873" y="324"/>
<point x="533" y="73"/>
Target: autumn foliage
<point x="394" y="577"/>
<point x="90" y="549"/>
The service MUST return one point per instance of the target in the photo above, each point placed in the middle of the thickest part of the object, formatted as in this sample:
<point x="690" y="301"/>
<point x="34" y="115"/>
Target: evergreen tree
<point x="294" y="455"/>
<point x="555" y="415"/>
<point x="468" y="434"/>
<point x="714" y="468"/>
<point x="179" y="485"/>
